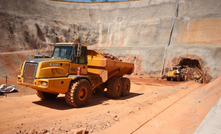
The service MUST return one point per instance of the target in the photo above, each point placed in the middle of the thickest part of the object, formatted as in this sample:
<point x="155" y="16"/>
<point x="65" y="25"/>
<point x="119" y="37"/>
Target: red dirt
<point x="10" y="66"/>
<point x="174" y="107"/>
<point x="21" y="56"/>
<point x="136" y="59"/>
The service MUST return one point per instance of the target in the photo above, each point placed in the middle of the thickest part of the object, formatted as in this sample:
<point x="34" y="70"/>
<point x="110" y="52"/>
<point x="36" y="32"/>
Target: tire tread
<point x="111" y="87"/>
<point x="70" y="96"/>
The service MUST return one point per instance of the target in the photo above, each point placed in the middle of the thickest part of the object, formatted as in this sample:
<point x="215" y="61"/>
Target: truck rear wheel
<point x="125" y="86"/>
<point x="46" y="96"/>
<point x="79" y="93"/>
<point x="114" y="88"/>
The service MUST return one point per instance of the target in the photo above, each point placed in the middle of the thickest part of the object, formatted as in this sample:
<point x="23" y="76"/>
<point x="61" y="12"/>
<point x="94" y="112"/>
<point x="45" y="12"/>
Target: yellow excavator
<point x="175" y="74"/>
<point x="75" y="71"/>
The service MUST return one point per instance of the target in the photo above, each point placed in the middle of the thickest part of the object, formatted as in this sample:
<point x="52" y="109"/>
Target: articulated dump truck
<point x="76" y="72"/>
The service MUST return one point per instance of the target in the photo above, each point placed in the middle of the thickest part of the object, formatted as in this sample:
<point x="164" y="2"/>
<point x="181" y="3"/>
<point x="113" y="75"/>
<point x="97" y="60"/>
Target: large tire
<point x="168" y="79"/>
<point x="125" y="86"/>
<point x="182" y="77"/>
<point x="114" y="88"/>
<point x="178" y="78"/>
<point x="79" y="93"/>
<point x="46" y="96"/>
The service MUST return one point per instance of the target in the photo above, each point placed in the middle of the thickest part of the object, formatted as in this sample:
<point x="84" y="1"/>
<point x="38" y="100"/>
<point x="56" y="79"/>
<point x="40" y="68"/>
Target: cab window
<point x="62" y="52"/>
<point x="83" y="58"/>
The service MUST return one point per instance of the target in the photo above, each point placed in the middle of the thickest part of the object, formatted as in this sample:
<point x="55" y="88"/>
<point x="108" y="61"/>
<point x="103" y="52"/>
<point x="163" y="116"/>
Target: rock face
<point x="136" y="28"/>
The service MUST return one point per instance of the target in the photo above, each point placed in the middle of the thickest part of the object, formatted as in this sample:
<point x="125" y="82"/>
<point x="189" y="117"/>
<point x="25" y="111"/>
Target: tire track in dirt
<point x="152" y="109"/>
<point x="163" y="110"/>
<point x="21" y="56"/>
<point x="17" y="59"/>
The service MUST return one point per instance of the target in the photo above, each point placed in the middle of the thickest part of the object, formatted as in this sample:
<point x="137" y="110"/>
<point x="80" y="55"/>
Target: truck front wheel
<point x="114" y="88"/>
<point x="46" y="96"/>
<point x="79" y="93"/>
<point x="125" y="86"/>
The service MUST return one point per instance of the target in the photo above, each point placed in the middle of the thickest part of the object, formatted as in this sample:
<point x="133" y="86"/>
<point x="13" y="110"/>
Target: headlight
<point x="44" y="84"/>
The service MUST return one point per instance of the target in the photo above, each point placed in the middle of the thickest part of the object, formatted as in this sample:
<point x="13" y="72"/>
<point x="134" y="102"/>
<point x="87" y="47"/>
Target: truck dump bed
<point x="97" y="64"/>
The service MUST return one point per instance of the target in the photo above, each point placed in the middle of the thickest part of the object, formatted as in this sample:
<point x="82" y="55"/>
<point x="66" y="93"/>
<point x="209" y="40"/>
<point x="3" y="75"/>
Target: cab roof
<point x="65" y="43"/>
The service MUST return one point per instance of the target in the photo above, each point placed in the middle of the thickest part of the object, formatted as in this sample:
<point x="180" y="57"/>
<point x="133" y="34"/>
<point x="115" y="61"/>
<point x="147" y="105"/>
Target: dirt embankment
<point x="10" y="62"/>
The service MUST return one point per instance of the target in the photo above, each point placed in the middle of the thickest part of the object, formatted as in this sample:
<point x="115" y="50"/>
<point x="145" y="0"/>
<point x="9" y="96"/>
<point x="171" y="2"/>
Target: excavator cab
<point x="176" y="69"/>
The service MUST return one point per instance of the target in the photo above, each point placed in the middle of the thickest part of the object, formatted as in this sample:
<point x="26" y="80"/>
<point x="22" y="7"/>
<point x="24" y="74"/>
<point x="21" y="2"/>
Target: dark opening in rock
<point x="193" y="69"/>
<point x="184" y="63"/>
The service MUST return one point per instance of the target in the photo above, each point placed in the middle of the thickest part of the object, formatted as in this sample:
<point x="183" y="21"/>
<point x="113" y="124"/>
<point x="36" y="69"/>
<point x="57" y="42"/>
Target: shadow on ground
<point x="96" y="99"/>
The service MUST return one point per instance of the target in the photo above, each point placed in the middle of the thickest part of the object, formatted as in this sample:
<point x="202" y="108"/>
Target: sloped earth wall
<point x="139" y="28"/>
<point x="148" y="60"/>
<point x="10" y="62"/>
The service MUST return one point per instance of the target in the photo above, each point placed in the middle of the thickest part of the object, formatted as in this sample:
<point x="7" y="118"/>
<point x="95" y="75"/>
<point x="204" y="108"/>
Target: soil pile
<point x="196" y="74"/>
<point x="110" y="57"/>
<point x="136" y="59"/>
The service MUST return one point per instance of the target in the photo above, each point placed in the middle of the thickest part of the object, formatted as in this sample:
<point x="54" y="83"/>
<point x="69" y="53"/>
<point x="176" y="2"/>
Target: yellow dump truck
<point x="76" y="72"/>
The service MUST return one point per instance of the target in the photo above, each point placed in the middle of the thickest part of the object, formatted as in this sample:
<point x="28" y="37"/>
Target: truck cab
<point x="59" y="69"/>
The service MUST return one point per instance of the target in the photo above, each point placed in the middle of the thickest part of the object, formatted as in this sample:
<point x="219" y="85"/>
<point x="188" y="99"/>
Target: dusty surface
<point x="211" y="124"/>
<point x="172" y="106"/>
<point x="134" y="31"/>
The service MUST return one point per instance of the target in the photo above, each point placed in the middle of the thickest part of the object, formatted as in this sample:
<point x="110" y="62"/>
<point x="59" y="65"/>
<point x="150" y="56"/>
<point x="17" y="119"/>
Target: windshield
<point x="37" y="57"/>
<point x="174" y="68"/>
<point x="62" y="52"/>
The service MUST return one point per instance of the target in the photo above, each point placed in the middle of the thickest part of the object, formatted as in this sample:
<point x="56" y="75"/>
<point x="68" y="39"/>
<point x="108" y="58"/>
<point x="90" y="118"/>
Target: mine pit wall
<point x="148" y="60"/>
<point x="10" y="62"/>
<point x="139" y="29"/>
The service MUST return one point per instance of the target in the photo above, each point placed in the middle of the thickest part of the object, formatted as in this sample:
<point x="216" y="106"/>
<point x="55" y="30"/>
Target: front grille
<point x="29" y="73"/>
